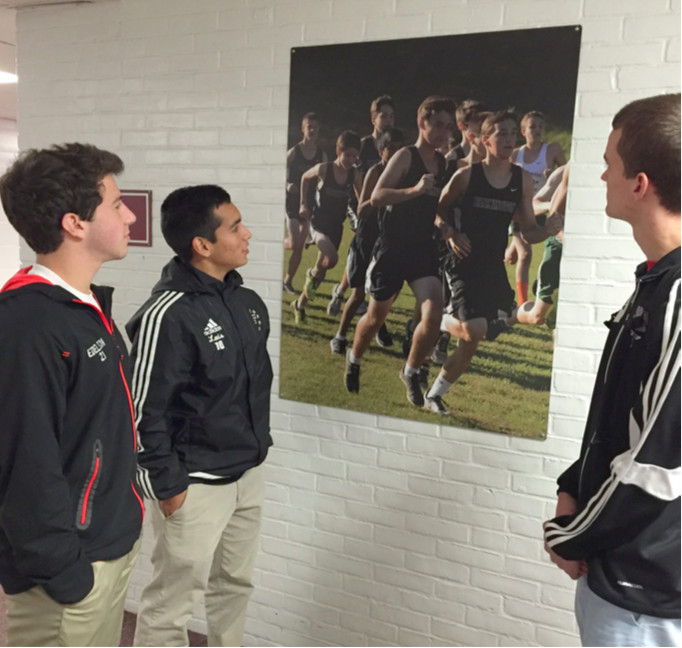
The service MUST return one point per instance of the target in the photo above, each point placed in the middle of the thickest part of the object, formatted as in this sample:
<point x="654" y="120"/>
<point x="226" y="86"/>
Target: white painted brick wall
<point x="377" y="530"/>
<point x="9" y="239"/>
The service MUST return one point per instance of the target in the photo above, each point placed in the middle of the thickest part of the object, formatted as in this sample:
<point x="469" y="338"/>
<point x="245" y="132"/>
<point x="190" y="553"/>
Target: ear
<point x="201" y="247"/>
<point x="470" y="137"/>
<point x="74" y="226"/>
<point x="643" y="186"/>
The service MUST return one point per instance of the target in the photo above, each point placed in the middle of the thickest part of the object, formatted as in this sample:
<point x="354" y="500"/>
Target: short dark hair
<point x="489" y="123"/>
<point x="349" y="139"/>
<point x="390" y="136"/>
<point x="468" y="108"/>
<point x="435" y="104"/>
<point x="310" y="116"/>
<point x="190" y="212"/>
<point x="477" y="118"/>
<point x="533" y="114"/>
<point x="44" y="184"/>
<point x="650" y="144"/>
<point x="383" y="100"/>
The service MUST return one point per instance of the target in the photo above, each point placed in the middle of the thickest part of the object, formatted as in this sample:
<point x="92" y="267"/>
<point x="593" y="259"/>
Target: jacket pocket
<point x="84" y="513"/>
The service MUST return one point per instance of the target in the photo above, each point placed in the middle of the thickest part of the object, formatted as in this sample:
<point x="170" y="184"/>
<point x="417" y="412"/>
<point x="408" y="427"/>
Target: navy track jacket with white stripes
<point x="201" y="381"/>
<point x="627" y="481"/>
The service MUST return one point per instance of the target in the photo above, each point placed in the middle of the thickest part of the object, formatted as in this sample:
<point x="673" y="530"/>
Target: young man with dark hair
<point x="201" y="389"/>
<point x="335" y="182"/>
<point x="360" y="250"/>
<point x="617" y="524"/>
<point x="489" y="195"/>
<point x="463" y="115"/>
<point x="382" y="113"/>
<point x="406" y="249"/>
<point x="70" y="514"/>
<point x="305" y="155"/>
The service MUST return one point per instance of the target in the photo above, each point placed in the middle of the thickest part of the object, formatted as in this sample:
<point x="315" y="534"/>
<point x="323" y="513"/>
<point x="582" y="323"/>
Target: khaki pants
<point x="207" y="548"/>
<point x="35" y="619"/>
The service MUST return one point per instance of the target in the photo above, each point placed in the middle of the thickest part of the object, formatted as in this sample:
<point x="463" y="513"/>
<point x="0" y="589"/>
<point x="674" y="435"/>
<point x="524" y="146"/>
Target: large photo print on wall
<point x="424" y="211"/>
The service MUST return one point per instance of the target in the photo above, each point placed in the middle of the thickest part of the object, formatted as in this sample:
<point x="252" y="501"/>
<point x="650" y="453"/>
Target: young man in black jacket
<point x="201" y="389"/>
<point x="70" y="514"/>
<point x="617" y="524"/>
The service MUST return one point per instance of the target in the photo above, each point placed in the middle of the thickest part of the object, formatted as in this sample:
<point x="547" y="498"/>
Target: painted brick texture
<point x="377" y="531"/>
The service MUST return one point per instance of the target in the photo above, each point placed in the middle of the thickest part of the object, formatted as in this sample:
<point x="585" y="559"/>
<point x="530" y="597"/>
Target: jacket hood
<point x="180" y="276"/>
<point x="22" y="278"/>
<point x="23" y="282"/>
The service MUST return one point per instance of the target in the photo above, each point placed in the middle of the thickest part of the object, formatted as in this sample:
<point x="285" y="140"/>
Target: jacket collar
<point x="183" y="277"/>
<point x="670" y="260"/>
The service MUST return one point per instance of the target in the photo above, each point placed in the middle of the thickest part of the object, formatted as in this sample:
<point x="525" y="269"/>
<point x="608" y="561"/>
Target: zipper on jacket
<point x="84" y="514"/>
<point x="109" y="326"/>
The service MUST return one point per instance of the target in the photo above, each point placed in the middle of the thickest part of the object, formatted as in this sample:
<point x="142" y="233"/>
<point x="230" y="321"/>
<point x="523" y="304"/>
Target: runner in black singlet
<point x="464" y="112"/>
<point x="406" y="249"/>
<point x="489" y="195"/>
<point x="360" y="250"/>
<point x="331" y="201"/>
<point x="478" y="283"/>
<point x="334" y="181"/>
<point x="300" y="158"/>
<point x="382" y="115"/>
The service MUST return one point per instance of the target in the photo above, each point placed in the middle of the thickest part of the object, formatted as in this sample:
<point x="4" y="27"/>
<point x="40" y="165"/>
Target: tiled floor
<point x="129" y="621"/>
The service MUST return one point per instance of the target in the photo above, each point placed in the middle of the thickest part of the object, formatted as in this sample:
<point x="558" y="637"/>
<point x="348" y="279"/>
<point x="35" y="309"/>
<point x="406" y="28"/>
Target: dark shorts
<point x="359" y="258"/>
<point x="548" y="272"/>
<point x="291" y="205"/>
<point x="478" y="294"/>
<point x="392" y="266"/>
<point x="333" y="232"/>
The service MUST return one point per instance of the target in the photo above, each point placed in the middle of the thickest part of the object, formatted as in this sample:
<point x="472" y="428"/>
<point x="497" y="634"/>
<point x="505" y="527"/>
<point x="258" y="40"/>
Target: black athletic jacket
<point x="201" y="384"/>
<point x="67" y="440"/>
<point x="627" y="480"/>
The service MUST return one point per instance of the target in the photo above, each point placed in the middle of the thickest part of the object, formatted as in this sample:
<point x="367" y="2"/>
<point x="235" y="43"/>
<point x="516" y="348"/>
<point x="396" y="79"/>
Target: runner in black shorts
<point x="305" y="155"/>
<point x="335" y="180"/>
<point x="406" y="249"/>
<point x="360" y="251"/>
<point x="490" y="194"/>
<point x="382" y="114"/>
